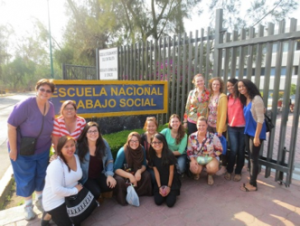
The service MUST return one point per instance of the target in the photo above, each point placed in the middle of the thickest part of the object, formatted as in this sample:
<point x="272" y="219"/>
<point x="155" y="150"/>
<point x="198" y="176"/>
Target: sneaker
<point x="221" y="171"/>
<point x="39" y="204"/>
<point x="29" y="214"/>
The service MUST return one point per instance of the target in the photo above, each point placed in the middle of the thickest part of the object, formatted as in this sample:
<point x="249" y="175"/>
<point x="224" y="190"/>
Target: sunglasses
<point x="45" y="90"/>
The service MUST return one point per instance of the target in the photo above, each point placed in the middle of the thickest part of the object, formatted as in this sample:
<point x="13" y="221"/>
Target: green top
<point x="181" y="147"/>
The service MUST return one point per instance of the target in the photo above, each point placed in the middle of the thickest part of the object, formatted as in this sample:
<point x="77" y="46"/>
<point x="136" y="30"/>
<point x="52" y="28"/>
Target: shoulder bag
<point x="27" y="147"/>
<point x="81" y="205"/>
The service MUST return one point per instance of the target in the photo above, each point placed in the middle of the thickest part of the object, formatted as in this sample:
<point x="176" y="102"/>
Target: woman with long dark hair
<point x="96" y="161"/>
<point x="255" y="128"/>
<point x="235" y="128"/>
<point x="177" y="140"/>
<point x="167" y="186"/>
<point x="62" y="178"/>
<point x="130" y="168"/>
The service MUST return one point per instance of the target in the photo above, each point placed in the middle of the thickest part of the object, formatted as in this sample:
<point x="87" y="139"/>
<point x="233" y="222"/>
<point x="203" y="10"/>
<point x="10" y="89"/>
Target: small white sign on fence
<point x="108" y="64"/>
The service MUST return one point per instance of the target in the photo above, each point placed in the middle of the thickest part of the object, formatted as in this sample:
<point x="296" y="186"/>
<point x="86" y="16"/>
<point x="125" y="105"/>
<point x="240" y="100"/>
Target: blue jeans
<point x="237" y="149"/>
<point x="181" y="160"/>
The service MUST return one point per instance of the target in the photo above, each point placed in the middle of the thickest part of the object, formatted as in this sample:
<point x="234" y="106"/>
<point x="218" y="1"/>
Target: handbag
<point x="269" y="123"/>
<point x="132" y="197"/>
<point x="81" y="205"/>
<point x="27" y="147"/>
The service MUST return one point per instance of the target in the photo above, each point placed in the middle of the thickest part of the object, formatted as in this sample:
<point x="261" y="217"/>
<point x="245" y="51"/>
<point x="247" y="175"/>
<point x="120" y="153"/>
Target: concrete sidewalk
<point x="222" y="204"/>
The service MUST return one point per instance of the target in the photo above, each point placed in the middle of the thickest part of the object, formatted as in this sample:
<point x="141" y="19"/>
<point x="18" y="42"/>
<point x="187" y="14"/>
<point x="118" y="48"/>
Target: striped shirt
<point x="60" y="129"/>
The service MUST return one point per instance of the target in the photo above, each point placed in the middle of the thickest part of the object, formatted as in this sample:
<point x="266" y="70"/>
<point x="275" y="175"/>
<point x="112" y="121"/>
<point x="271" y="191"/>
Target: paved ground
<point x="222" y="204"/>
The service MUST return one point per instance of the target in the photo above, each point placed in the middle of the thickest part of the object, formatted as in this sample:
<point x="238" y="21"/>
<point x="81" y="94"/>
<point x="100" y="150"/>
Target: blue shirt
<point x="251" y="124"/>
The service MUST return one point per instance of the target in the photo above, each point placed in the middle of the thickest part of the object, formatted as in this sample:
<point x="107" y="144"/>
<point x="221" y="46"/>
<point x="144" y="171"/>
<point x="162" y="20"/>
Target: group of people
<point x="152" y="162"/>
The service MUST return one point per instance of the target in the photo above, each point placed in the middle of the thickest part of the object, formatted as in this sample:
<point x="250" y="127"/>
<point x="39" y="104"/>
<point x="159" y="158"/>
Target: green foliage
<point x="117" y="140"/>
<point x="293" y="89"/>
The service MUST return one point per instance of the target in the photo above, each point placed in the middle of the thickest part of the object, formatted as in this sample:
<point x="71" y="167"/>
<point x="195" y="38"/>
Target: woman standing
<point x="196" y="104"/>
<point x="177" y="140"/>
<point x="217" y="113"/>
<point x="168" y="183"/>
<point x="96" y="161"/>
<point x="203" y="143"/>
<point x="130" y="167"/>
<point x="255" y="128"/>
<point x="62" y="178"/>
<point x="68" y="123"/>
<point x="236" y="127"/>
<point x="34" y="118"/>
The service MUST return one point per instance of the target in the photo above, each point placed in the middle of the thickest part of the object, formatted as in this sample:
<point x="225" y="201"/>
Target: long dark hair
<point x="252" y="90"/>
<point x="166" y="154"/>
<point x="181" y="131"/>
<point x="234" y="82"/>
<point x="61" y="143"/>
<point x="134" y="158"/>
<point x="83" y="146"/>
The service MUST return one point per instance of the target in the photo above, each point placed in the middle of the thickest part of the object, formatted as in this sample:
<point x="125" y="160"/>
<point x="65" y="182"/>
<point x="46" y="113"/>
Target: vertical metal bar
<point x="201" y="54"/>
<point x="138" y="62"/>
<point x="207" y="64"/>
<point x="143" y="61"/>
<point x="127" y="63"/>
<point x="151" y="61"/>
<point x="275" y="96"/>
<point x="130" y="49"/>
<point x="294" y="128"/>
<point x="155" y="61"/>
<point x="226" y="59"/>
<point x="268" y="65"/>
<point x="183" y="77"/>
<point x="120" y="63"/>
<point x="286" y="97"/>
<point x="169" y="74"/>
<point x="218" y="40"/>
<point x="178" y="75"/>
<point x="258" y="60"/>
<point x="165" y="64"/>
<point x="189" y="67"/>
<point x="173" y="77"/>
<point x="134" y="61"/>
<point x="250" y="54"/>
<point x="147" y="68"/>
<point x="242" y="55"/>
<point x="233" y="55"/>
<point x="196" y="67"/>
<point x="97" y="65"/>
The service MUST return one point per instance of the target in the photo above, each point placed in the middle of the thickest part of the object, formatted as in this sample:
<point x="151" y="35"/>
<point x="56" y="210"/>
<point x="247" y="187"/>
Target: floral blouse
<point x="196" y="106"/>
<point x="212" y="145"/>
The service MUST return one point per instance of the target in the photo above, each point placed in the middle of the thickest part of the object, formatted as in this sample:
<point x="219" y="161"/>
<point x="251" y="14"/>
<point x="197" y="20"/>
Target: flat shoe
<point x="227" y="176"/>
<point x="196" y="177"/>
<point x="237" y="177"/>
<point x="244" y="188"/>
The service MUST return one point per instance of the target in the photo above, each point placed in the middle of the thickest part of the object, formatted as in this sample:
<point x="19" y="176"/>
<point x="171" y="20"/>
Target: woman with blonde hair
<point x="196" y="104"/>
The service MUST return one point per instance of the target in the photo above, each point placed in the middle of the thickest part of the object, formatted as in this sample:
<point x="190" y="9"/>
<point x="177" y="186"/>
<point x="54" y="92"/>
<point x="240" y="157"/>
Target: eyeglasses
<point x="156" y="142"/>
<point x="134" y="141"/>
<point x="45" y="90"/>
<point x="92" y="131"/>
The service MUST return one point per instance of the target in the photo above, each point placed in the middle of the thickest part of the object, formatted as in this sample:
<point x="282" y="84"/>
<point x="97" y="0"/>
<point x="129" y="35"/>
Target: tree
<point x="259" y="12"/>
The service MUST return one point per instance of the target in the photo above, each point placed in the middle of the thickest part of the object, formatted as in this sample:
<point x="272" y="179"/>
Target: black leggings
<point x="97" y="185"/>
<point x="60" y="216"/>
<point x="253" y="157"/>
<point x="170" y="199"/>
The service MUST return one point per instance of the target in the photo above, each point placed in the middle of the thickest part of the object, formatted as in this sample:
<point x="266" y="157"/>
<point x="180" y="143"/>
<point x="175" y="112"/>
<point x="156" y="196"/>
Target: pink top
<point x="60" y="129"/>
<point x="235" y="113"/>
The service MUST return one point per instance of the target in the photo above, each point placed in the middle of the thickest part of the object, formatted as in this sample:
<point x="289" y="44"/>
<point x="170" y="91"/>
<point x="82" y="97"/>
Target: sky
<point x="20" y="14"/>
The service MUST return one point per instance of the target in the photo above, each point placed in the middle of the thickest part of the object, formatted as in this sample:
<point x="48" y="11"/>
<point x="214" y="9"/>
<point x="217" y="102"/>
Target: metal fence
<point x="271" y="60"/>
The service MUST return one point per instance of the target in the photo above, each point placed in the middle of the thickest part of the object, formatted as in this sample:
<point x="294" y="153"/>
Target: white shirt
<point x="60" y="183"/>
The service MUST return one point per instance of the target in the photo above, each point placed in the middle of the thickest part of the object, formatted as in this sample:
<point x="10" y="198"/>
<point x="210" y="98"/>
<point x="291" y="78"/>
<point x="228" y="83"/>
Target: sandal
<point x="227" y="176"/>
<point x="244" y="188"/>
<point x="237" y="177"/>
<point x="196" y="176"/>
<point x="210" y="180"/>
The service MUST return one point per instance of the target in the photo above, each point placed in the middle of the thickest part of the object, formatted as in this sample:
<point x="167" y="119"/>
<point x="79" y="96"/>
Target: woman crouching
<point x="130" y="168"/>
<point x="203" y="150"/>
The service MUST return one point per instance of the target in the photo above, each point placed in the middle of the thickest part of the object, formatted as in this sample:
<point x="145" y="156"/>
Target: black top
<point x="95" y="167"/>
<point x="164" y="172"/>
<point x="146" y="145"/>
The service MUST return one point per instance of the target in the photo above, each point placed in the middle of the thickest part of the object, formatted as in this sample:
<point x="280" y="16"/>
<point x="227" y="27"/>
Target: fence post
<point x="218" y="40"/>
